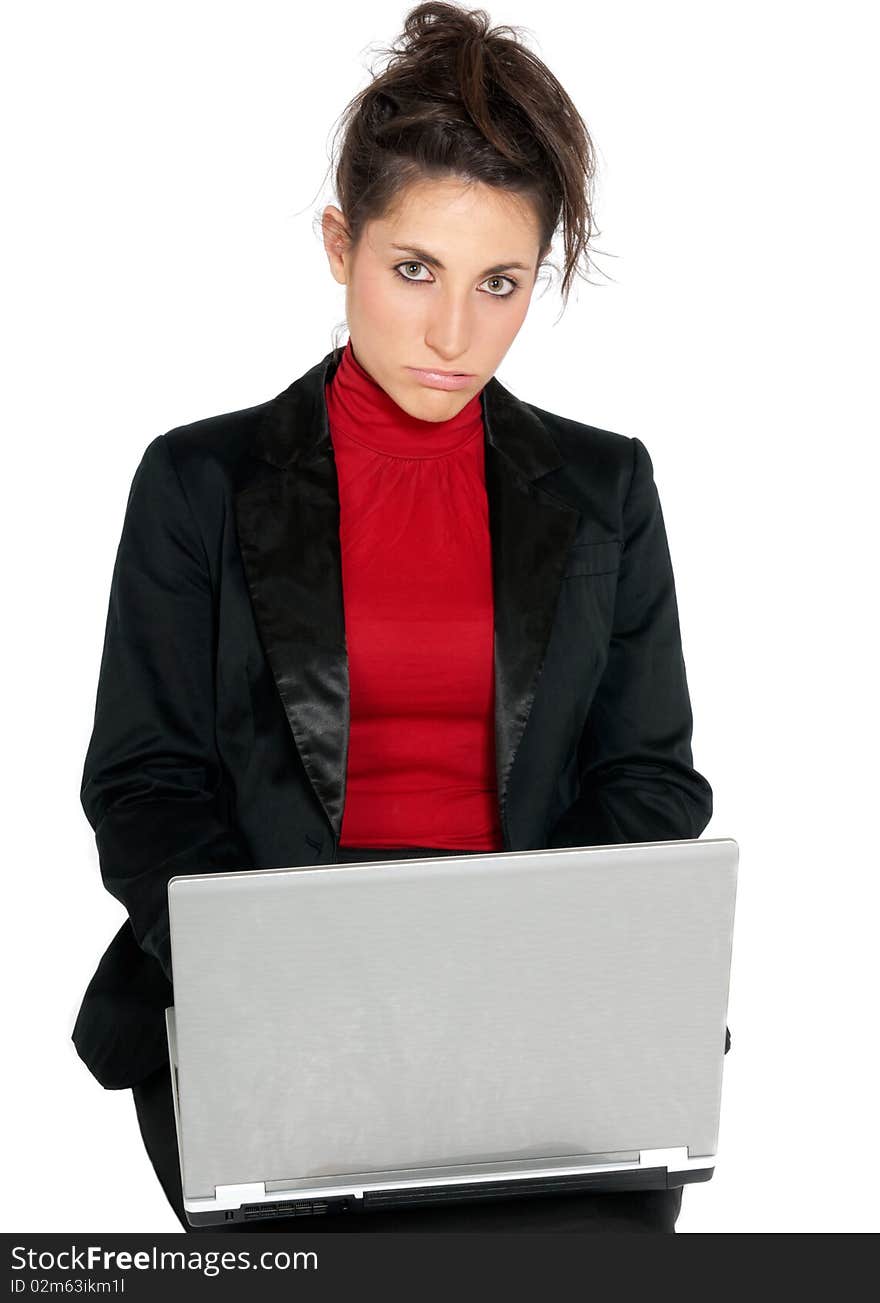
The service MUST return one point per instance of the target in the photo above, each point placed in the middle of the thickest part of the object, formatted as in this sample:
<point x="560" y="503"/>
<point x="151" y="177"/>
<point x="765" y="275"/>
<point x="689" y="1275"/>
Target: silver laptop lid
<point x="451" y="1012"/>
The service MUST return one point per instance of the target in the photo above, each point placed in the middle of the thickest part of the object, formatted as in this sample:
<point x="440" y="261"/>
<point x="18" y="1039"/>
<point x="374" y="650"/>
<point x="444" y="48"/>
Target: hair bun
<point x="436" y="21"/>
<point x="459" y="97"/>
<point x="384" y="106"/>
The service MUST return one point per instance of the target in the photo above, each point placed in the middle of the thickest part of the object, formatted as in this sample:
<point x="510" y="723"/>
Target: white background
<point x="163" y="166"/>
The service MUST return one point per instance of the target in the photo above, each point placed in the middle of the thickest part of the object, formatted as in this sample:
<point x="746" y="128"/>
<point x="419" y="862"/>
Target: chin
<point x="439" y="409"/>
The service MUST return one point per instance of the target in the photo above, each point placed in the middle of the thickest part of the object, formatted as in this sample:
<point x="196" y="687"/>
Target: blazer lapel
<point x="532" y="532"/>
<point x="287" y="515"/>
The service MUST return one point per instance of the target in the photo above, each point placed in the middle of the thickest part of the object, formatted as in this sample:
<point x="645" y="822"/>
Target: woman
<point x="392" y="612"/>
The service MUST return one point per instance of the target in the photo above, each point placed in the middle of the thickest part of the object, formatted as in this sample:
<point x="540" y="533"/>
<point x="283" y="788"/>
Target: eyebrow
<point x="429" y="258"/>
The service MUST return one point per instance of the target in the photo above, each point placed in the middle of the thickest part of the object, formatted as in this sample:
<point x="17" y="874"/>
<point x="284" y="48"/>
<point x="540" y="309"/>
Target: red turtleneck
<point x="419" y="620"/>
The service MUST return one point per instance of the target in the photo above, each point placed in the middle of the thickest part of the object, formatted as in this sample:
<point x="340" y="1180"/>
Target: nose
<point x="448" y="331"/>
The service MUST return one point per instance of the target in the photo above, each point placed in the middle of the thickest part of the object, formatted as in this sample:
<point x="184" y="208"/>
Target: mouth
<point x="431" y="378"/>
<point x="436" y="371"/>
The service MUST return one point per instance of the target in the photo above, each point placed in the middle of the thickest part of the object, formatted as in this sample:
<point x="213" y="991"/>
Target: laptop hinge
<point x="232" y="1196"/>
<point x="674" y="1159"/>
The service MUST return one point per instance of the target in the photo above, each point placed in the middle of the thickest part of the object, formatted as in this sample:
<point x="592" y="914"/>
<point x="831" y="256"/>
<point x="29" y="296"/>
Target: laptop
<point x="447" y="1029"/>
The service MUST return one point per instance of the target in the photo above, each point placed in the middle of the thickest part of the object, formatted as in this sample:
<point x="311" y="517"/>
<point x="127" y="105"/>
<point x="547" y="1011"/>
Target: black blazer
<point x="221" y="723"/>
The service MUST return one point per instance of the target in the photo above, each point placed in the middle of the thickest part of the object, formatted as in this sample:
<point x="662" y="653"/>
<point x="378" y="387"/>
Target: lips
<point x="441" y="379"/>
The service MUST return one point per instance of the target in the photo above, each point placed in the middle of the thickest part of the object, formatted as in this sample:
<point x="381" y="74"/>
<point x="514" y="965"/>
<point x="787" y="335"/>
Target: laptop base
<point x="646" y="1178"/>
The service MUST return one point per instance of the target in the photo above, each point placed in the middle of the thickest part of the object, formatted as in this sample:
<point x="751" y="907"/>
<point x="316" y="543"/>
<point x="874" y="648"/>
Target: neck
<point x="360" y="408"/>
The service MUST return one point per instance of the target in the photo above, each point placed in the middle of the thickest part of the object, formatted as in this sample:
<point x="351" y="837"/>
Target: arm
<point x="637" y="781"/>
<point x="152" y="783"/>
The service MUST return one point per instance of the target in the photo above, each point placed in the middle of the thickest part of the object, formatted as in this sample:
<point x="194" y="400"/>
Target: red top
<point x="419" y="620"/>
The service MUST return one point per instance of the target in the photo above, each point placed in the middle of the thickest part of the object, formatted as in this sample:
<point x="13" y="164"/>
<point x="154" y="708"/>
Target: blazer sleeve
<point x="637" y="780"/>
<point x="152" y="784"/>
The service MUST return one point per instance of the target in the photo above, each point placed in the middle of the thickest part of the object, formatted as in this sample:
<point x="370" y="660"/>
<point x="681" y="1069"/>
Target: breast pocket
<point x="593" y="559"/>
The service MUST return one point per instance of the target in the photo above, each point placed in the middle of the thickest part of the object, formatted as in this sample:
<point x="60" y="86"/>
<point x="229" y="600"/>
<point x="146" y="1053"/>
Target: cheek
<point x="385" y="305"/>
<point x="406" y="305"/>
<point x="503" y="322"/>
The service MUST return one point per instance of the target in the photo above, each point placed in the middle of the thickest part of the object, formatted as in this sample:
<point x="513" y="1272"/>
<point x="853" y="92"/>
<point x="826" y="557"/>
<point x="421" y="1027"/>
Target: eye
<point x="411" y="280"/>
<point x="511" y="282"/>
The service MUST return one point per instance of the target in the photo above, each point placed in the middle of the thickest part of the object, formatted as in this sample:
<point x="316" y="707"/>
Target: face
<point x="444" y="281"/>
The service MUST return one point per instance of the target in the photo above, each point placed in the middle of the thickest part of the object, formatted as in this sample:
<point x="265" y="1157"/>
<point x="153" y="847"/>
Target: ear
<point x="337" y="241"/>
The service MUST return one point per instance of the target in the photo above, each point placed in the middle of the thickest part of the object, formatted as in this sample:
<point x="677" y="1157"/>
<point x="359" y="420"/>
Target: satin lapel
<point x="287" y="514"/>
<point x="532" y="532"/>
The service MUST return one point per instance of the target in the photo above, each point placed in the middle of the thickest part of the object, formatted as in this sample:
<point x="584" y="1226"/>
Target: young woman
<point x="395" y="610"/>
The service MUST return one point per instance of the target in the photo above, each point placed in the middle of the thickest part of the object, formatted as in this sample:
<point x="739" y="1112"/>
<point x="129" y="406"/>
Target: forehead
<point x="466" y="216"/>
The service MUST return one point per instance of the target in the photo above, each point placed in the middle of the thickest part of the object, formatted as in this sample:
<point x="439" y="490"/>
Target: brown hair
<point x="461" y="98"/>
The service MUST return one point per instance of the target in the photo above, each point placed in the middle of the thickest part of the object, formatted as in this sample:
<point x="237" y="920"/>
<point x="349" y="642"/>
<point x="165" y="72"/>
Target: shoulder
<point x="222" y="440"/>
<point x="600" y="467"/>
<point x="201" y="459"/>
<point x="189" y="473"/>
<point x="579" y="441"/>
